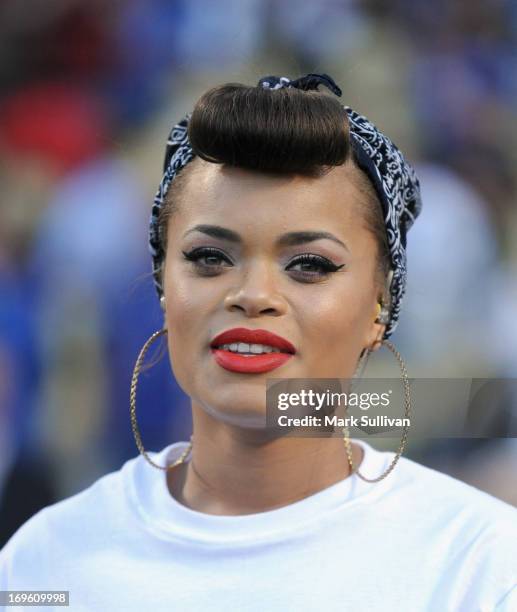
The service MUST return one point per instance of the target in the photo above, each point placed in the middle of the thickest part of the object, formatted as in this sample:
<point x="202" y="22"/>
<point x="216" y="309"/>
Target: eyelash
<point x="326" y="266"/>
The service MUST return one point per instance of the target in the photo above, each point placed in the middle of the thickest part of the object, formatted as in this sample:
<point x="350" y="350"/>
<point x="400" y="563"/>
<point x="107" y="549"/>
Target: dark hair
<point x="287" y="130"/>
<point x="282" y="131"/>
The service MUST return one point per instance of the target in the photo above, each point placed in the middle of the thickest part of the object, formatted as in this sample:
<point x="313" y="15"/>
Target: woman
<point x="279" y="227"/>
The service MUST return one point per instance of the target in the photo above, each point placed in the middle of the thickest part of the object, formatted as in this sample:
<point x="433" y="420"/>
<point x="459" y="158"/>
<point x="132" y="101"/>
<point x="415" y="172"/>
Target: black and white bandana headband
<point x="394" y="179"/>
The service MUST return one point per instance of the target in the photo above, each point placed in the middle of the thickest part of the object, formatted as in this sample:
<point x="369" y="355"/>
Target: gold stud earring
<point x="162" y="303"/>
<point x="383" y="314"/>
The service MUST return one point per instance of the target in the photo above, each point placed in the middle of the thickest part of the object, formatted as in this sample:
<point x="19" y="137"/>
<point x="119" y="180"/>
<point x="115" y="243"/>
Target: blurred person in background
<point x="60" y="140"/>
<point x="471" y="303"/>
<point x="24" y="465"/>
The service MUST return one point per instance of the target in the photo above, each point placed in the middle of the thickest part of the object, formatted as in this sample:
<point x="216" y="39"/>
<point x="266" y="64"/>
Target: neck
<point x="235" y="471"/>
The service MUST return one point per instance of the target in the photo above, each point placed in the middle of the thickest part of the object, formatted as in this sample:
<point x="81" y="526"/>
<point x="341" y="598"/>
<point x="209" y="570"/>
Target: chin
<point x="239" y="416"/>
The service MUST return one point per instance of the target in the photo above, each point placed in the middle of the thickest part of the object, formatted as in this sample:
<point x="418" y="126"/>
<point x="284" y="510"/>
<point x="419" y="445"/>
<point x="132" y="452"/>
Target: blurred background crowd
<point x="88" y="92"/>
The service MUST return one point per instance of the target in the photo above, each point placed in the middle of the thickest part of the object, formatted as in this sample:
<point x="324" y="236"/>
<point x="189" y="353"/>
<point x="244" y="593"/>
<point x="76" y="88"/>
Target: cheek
<point x="188" y="299"/>
<point x="333" y="329"/>
<point x="187" y="319"/>
<point x="182" y="303"/>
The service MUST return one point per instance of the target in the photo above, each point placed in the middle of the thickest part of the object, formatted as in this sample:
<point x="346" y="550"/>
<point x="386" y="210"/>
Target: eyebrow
<point x="288" y="239"/>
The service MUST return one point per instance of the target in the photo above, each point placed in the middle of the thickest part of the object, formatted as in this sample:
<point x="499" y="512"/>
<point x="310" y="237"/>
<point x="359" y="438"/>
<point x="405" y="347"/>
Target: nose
<point x="257" y="294"/>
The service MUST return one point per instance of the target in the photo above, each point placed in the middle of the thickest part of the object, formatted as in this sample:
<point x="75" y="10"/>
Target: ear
<point x="377" y="343"/>
<point x="381" y="317"/>
<point x="377" y="327"/>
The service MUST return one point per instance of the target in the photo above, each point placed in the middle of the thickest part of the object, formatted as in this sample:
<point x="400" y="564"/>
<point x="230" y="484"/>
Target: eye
<point x="321" y="267"/>
<point x="208" y="260"/>
<point x="211" y="256"/>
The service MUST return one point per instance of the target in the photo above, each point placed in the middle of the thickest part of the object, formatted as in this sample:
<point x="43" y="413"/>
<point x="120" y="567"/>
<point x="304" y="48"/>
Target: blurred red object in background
<point x="66" y="124"/>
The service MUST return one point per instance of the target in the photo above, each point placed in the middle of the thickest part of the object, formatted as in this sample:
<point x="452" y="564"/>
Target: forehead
<point x="236" y="196"/>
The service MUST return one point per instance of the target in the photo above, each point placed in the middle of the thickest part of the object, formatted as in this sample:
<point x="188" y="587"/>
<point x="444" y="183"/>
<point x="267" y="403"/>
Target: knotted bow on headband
<point x="393" y="178"/>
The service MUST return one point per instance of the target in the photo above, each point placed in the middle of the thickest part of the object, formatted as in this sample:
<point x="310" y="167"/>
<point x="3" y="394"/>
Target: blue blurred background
<point x="88" y="93"/>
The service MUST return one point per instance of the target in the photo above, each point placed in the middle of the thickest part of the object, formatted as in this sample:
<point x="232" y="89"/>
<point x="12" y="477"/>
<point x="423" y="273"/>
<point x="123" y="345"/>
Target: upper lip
<point x="253" y="336"/>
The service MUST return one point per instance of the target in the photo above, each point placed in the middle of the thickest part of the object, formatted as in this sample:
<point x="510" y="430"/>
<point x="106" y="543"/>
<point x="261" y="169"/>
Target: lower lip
<point x="255" y="364"/>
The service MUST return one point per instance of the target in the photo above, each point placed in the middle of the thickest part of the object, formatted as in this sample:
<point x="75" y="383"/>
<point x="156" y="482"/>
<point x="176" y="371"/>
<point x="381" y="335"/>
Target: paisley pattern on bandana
<point x="398" y="189"/>
<point x="393" y="178"/>
<point x="178" y="153"/>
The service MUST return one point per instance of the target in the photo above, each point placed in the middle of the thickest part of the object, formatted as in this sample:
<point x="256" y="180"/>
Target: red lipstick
<point x="252" y="363"/>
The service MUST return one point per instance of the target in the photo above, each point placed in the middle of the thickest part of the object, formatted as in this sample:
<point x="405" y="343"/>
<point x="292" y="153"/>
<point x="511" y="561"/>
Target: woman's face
<point x="259" y="281"/>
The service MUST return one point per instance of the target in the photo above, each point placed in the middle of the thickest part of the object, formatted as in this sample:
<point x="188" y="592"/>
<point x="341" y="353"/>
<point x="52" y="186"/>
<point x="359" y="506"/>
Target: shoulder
<point x="449" y="494"/>
<point x="470" y="534"/>
<point x="80" y="522"/>
<point x="459" y="515"/>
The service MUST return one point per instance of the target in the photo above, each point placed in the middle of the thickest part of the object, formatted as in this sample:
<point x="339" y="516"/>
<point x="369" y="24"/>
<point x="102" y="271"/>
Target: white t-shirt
<point x="418" y="540"/>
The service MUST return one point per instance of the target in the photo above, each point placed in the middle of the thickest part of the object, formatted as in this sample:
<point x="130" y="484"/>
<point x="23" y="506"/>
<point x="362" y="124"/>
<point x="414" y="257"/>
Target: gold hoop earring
<point x="361" y="364"/>
<point x="407" y="401"/>
<point x="132" y="402"/>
